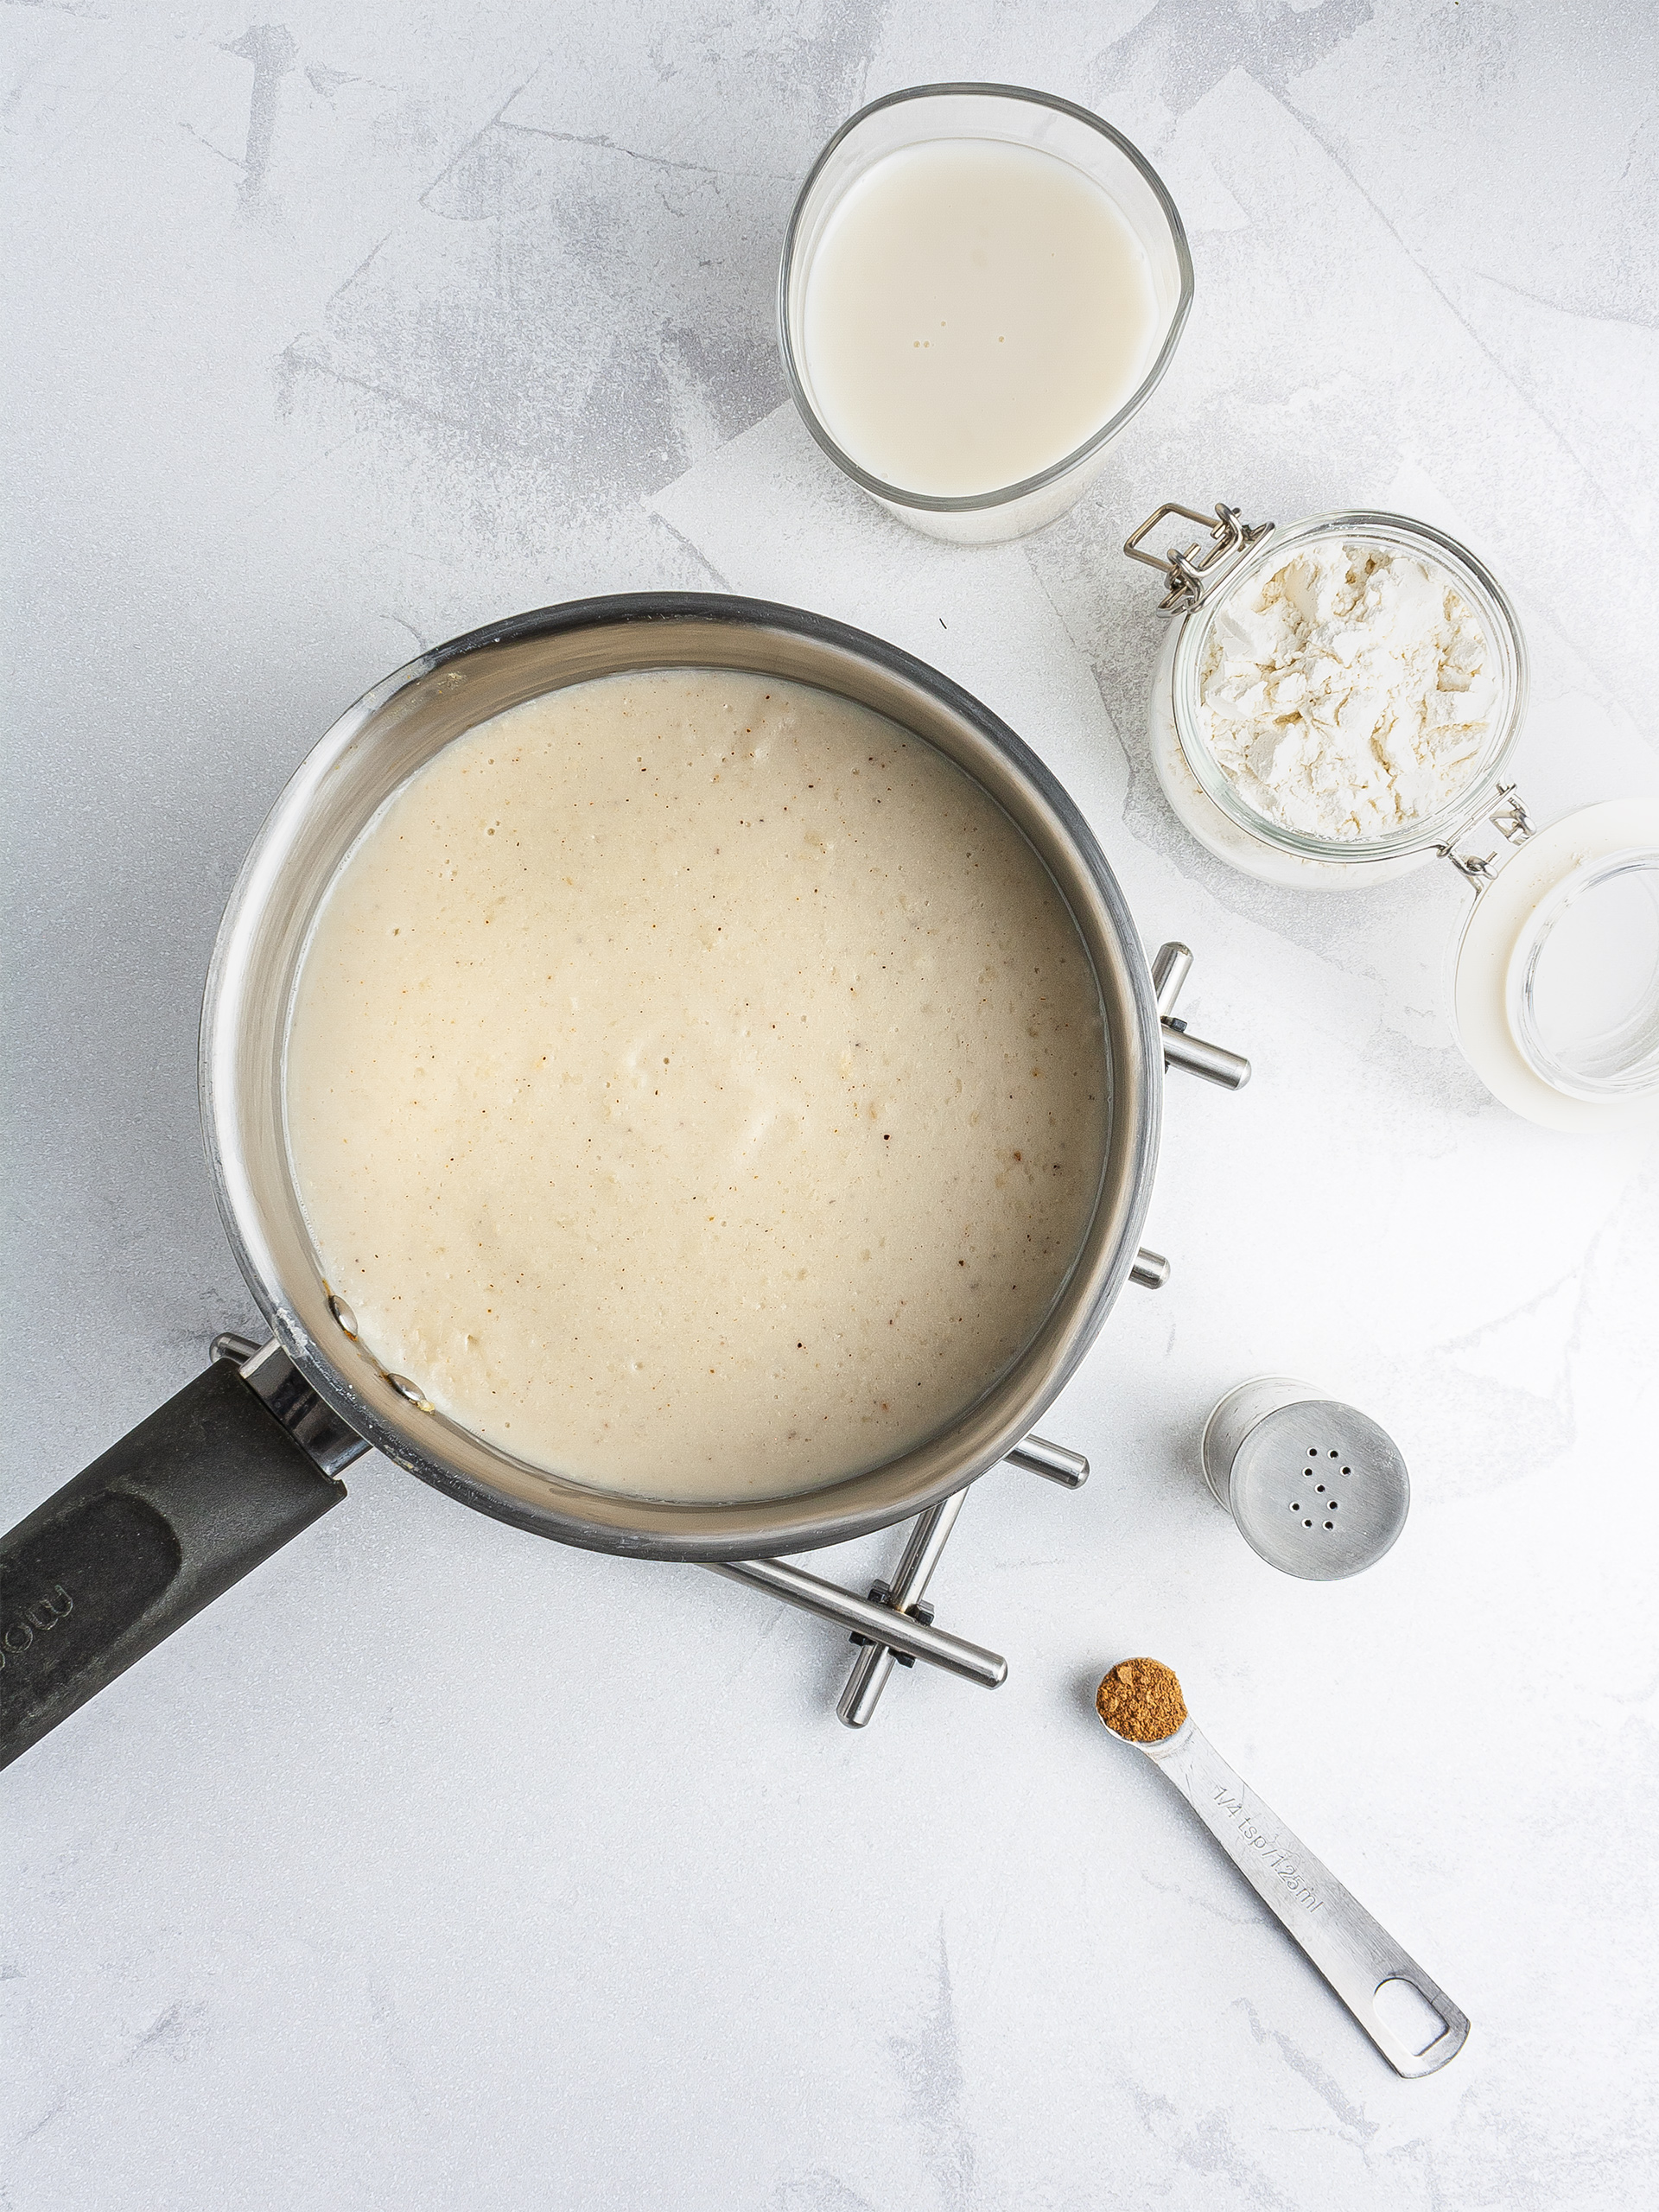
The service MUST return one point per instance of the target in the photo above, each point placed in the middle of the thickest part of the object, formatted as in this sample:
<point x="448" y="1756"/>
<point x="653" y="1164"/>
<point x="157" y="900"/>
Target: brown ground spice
<point x="1141" y="1700"/>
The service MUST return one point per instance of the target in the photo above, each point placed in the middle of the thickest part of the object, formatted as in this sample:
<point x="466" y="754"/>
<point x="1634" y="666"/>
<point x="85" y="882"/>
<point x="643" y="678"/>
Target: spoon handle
<point x="1354" y="1952"/>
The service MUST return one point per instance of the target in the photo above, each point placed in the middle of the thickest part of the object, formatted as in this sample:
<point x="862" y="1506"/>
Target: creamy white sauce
<point x="694" y="1085"/>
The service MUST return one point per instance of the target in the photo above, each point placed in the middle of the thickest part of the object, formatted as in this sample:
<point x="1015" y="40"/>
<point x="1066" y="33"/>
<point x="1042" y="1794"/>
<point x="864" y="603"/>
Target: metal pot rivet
<point x="343" y="1313"/>
<point x="412" y="1392"/>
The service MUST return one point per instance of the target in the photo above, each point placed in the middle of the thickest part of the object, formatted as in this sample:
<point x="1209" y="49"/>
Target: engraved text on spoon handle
<point x="1354" y="1952"/>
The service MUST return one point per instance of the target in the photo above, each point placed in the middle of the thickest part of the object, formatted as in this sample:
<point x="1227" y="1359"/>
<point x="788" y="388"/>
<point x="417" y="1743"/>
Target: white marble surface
<point x="438" y="1868"/>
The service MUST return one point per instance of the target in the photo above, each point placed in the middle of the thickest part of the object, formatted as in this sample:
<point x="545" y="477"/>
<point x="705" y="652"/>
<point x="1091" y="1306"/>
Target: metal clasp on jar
<point x="1191" y="570"/>
<point x="1509" y="818"/>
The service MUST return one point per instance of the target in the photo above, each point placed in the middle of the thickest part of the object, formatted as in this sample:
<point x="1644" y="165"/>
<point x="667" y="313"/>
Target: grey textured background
<point x="438" y="1868"/>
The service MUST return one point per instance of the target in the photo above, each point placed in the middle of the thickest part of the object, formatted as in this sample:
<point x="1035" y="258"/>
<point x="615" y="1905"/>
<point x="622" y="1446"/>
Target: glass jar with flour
<point x="1337" y="705"/>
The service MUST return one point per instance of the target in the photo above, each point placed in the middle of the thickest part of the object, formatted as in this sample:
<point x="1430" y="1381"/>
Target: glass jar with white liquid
<point x="981" y="285"/>
<point x="1555" y="985"/>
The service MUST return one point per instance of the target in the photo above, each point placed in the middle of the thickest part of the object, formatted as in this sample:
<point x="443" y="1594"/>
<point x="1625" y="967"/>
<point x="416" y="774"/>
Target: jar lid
<point x="1556" y="995"/>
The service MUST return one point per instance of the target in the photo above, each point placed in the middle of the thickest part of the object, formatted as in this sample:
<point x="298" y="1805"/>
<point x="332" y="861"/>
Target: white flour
<point x="1347" y="693"/>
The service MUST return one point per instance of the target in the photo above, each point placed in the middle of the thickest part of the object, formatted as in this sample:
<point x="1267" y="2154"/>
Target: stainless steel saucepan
<point x="245" y="1456"/>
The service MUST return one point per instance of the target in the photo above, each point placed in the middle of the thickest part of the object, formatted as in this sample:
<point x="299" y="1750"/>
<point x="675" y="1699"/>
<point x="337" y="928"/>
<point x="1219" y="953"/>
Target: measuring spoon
<point x="1356" y="1954"/>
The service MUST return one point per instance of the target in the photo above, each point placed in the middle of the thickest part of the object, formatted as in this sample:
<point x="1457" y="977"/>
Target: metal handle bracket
<point x="1170" y="970"/>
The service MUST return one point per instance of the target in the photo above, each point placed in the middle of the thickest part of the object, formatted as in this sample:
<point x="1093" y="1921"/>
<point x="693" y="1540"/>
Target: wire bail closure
<point x="1192" y="572"/>
<point x="1509" y="818"/>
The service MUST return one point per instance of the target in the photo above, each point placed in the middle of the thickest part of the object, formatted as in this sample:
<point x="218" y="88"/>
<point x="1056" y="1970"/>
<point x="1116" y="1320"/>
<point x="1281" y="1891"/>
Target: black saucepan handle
<point x="188" y="1503"/>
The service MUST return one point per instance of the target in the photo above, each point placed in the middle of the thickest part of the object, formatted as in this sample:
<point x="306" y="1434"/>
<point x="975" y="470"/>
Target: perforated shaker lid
<point x="1557" y="981"/>
<point x="1319" y="1490"/>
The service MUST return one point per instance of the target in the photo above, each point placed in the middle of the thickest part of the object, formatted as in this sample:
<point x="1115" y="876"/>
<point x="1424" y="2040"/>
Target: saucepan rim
<point x="239" y="1085"/>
